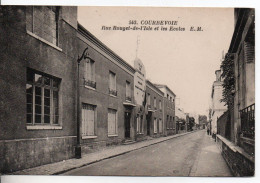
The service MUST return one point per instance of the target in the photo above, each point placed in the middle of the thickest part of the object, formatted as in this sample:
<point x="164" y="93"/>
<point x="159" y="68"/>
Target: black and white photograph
<point x="127" y="91"/>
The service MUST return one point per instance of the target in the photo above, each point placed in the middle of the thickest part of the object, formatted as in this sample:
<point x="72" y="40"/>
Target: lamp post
<point x="78" y="146"/>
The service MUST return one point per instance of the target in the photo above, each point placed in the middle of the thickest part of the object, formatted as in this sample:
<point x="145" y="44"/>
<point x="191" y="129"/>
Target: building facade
<point x="154" y="118"/>
<point x="106" y="95"/>
<point x="37" y="81"/>
<point x="169" y="109"/>
<point x="238" y="145"/>
<point x="217" y="107"/>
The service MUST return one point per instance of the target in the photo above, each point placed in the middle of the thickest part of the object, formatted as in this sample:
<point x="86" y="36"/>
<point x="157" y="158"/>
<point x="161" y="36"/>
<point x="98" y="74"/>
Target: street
<point x="175" y="157"/>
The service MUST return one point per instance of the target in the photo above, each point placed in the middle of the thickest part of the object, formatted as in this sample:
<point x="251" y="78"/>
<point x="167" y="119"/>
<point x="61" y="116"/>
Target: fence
<point x="248" y="121"/>
<point x="225" y="125"/>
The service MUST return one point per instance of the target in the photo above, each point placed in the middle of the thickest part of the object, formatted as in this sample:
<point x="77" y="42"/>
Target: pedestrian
<point x="208" y="129"/>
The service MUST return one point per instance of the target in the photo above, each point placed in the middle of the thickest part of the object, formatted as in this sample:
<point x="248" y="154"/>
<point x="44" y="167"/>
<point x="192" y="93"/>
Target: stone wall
<point x="26" y="153"/>
<point x="240" y="163"/>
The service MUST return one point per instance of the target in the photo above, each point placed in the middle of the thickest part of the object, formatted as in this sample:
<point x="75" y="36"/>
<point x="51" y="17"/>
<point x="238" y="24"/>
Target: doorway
<point x="127" y="124"/>
<point x="148" y="119"/>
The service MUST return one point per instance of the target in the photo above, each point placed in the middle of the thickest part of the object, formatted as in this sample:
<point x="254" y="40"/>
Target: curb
<point x="109" y="157"/>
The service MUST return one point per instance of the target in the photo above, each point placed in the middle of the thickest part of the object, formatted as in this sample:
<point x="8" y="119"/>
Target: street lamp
<point x="78" y="146"/>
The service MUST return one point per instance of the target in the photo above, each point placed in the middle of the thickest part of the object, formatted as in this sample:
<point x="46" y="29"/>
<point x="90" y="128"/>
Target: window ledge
<point x="43" y="40"/>
<point x="115" y="135"/>
<point x="88" y="87"/>
<point x="89" y="137"/>
<point x="43" y="127"/>
<point x="112" y="96"/>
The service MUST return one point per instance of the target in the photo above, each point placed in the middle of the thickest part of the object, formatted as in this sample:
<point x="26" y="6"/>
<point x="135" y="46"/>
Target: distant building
<point x="181" y="120"/>
<point x="202" y="121"/>
<point x="169" y="109"/>
<point x="155" y="107"/>
<point x="217" y="107"/>
<point x="107" y="95"/>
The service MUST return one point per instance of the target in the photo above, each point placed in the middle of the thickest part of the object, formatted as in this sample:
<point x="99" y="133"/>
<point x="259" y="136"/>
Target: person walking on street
<point x="208" y="129"/>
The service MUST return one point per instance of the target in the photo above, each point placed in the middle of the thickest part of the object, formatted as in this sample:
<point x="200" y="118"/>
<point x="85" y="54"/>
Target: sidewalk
<point x="66" y="165"/>
<point x="210" y="162"/>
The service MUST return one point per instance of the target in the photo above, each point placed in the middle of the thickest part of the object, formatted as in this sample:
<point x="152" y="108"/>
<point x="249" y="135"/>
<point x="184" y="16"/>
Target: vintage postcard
<point x="127" y="91"/>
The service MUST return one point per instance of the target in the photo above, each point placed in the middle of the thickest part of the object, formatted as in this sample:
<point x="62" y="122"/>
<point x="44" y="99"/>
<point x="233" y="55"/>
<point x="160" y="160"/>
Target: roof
<point x="165" y="86"/>
<point x="84" y="32"/>
<point x="152" y="86"/>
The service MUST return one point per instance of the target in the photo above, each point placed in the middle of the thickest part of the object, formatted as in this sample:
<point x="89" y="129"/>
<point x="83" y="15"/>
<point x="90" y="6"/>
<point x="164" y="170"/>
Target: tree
<point x="227" y="67"/>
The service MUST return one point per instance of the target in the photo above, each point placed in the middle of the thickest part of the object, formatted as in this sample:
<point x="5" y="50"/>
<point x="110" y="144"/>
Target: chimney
<point x="218" y="75"/>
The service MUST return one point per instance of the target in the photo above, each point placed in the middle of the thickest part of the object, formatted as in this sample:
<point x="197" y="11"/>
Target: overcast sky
<point x="185" y="61"/>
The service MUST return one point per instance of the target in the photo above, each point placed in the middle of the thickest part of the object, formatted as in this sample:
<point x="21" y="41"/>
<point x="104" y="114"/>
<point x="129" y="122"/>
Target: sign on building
<point x="139" y="82"/>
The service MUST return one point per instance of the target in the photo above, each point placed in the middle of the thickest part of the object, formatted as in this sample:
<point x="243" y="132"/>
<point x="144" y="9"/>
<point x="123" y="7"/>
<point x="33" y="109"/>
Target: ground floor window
<point x="42" y="98"/>
<point x="139" y="124"/>
<point x="155" y="125"/>
<point x="112" y="122"/>
<point x="88" y="120"/>
<point x="160" y="126"/>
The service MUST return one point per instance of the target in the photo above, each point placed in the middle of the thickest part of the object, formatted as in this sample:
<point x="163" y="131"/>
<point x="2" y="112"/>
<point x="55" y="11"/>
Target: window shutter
<point x="110" y="80"/>
<point x="111" y="122"/>
<point x="91" y="118"/>
<point x="92" y="71"/>
<point x="84" y="121"/>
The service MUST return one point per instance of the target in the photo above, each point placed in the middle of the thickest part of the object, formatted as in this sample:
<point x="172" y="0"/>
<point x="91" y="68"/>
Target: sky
<point x="183" y="60"/>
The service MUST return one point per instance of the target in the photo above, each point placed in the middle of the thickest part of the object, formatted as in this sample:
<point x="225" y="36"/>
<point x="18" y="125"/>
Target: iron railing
<point x="90" y="83"/>
<point x="128" y="98"/>
<point x="248" y="121"/>
<point x="112" y="92"/>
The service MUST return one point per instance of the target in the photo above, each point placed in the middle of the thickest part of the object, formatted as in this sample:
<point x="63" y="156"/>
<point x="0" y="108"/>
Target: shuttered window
<point x="160" y="126"/>
<point x="112" y="83"/>
<point x="160" y="104"/>
<point x="138" y="124"/>
<point x="43" y="21"/>
<point x="128" y="91"/>
<point x="88" y="120"/>
<point x="155" y="125"/>
<point x="89" y="70"/>
<point x="112" y="80"/>
<point x="112" y="122"/>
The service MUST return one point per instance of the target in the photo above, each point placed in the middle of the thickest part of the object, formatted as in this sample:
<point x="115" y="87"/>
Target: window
<point x="160" y="105"/>
<point x="43" y="22"/>
<point x="128" y="91"/>
<point x="160" y="126"/>
<point x="89" y="73"/>
<point x="155" y="125"/>
<point x="88" y="120"/>
<point x="139" y="124"/>
<point x="112" y="83"/>
<point x="167" y="122"/>
<point x="112" y="122"/>
<point x="42" y="93"/>
<point x="171" y="124"/>
<point x="154" y="102"/>
<point x="149" y="100"/>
